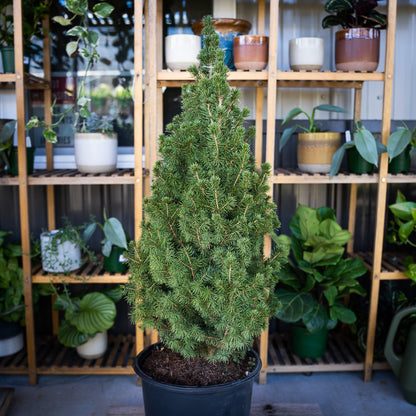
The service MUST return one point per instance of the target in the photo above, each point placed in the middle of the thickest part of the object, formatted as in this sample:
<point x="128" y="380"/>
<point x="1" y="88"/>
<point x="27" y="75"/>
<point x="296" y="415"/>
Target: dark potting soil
<point x="166" y="366"/>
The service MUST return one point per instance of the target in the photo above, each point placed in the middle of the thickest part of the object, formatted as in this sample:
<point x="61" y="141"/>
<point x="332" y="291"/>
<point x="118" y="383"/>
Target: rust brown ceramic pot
<point x="227" y="29"/>
<point x="251" y="52"/>
<point x="357" y="49"/>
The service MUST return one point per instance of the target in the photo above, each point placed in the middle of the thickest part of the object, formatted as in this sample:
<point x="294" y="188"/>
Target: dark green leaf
<point x="294" y="305"/>
<point x="366" y="145"/>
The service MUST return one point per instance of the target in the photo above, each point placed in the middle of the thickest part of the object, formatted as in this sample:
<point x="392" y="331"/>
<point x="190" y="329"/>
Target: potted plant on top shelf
<point x="313" y="285"/>
<point x="198" y="275"/>
<point x="315" y="147"/>
<point x="357" y="45"/>
<point x="85" y="44"/>
<point x="362" y="152"/>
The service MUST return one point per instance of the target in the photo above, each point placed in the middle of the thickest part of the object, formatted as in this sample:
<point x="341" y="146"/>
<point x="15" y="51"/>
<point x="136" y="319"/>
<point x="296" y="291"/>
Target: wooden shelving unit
<point x="270" y="80"/>
<point x="50" y="358"/>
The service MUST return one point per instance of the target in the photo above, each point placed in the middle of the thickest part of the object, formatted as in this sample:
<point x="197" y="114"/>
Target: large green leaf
<point x="366" y="145"/>
<point x="336" y="6"/>
<point x="96" y="313"/>
<point x="331" y="294"/>
<point x="114" y="232"/>
<point x="330" y="108"/>
<point x="316" y="319"/>
<point x="70" y="336"/>
<point x="403" y="210"/>
<point x="287" y="134"/>
<point x="103" y="9"/>
<point x="294" y="305"/>
<point x="405" y="230"/>
<point x="398" y="141"/>
<point x="342" y="313"/>
<point x="292" y="114"/>
<point x="7" y="131"/>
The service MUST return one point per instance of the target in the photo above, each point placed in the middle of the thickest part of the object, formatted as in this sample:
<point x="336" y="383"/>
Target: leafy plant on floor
<point x="317" y="278"/>
<point x="198" y="275"/>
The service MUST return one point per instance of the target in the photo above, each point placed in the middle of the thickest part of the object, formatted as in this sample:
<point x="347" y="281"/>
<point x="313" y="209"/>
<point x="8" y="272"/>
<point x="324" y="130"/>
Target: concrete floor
<point x="338" y="394"/>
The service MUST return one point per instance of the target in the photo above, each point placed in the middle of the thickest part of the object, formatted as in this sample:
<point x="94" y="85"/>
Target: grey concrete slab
<point x="338" y="394"/>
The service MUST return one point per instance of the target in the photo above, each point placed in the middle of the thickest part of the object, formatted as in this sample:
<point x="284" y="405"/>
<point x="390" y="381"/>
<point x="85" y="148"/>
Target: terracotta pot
<point x="357" y="49"/>
<point x="251" y="52"/>
<point x="306" y="54"/>
<point x="315" y="151"/>
<point x="181" y="51"/>
<point x="227" y="30"/>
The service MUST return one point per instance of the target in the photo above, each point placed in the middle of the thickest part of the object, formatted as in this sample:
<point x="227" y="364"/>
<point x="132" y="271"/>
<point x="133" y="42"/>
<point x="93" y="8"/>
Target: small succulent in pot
<point x="97" y="124"/>
<point x="353" y="13"/>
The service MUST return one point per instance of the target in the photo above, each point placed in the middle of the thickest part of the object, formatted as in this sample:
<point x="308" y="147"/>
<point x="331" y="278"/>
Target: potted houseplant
<point x="315" y="147"/>
<point x="357" y="45"/>
<point x="34" y="11"/>
<point x="401" y="148"/>
<point x="402" y="229"/>
<point x="86" y="44"/>
<point x="61" y="249"/>
<point x="317" y="278"/>
<point x="12" y="299"/>
<point x="114" y="244"/>
<point x="198" y="274"/>
<point x="86" y="321"/>
<point x="7" y="128"/>
<point x="362" y="152"/>
<point x="95" y="145"/>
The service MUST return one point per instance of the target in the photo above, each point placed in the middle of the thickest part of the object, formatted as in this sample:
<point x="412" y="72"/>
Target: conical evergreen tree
<point x="198" y="274"/>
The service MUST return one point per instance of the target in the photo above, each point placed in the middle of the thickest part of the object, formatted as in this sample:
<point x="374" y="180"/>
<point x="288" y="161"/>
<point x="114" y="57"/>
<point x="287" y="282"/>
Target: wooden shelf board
<point x="31" y="81"/>
<point x="329" y="76"/>
<point x="293" y="176"/>
<point x="74" y="177"/>
<point x="402" y="177"/>
<point x="54" y="358"/>
<point x="342" y="354"/>
<point x="88" y="273"/>
<point x="9" y="180"/>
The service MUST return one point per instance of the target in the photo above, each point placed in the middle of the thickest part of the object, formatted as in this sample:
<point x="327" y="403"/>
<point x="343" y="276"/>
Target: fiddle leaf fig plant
<point x="85" y="44"/>
<point x="317" y="277"/>
<point x="365" y="143"/>
<point x="402" y="229"/>
<point x="353" y="13"/>
<point x="313" y="126"/>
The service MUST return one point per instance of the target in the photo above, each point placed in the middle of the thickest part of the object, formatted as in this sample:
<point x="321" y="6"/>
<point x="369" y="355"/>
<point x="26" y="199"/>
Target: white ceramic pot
<point x="95" y="347"/>
<point x="306" y="53"/>
<point x="11" y="338"/>
<point x="62" y="257"/>
<point x="95" y="152"/>
<point x="181" y="51"/>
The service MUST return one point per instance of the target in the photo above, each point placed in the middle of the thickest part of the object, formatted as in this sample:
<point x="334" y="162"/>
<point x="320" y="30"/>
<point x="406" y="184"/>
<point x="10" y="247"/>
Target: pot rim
<point x="196" y="389"/>
<point x="358" y="32"/>
<point x="224" y="25"/>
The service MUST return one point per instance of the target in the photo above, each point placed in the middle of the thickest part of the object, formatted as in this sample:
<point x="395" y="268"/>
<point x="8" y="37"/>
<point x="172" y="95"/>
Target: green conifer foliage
<point x="198" y="274"/>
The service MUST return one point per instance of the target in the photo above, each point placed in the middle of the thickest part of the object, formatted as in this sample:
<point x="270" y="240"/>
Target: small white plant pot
<point x="11" y="339"/>
<point x="306" y="54"/>
<point x="59" y="257"/>
<point x="181" y="51"/>
<point x="95" y="347"/>
<point x="95" y="152"/>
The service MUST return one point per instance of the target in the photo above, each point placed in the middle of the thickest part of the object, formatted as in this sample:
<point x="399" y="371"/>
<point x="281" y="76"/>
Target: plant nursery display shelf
<point x="54" y="358"/>
<point x="342" y="354"/>
<point x="294" y="176"/>
<point x="88" y="273"/>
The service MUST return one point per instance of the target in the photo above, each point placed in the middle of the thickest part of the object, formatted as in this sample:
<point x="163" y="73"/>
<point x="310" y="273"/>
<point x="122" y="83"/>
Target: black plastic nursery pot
<point x="401" y="163"/>
<point x="112" y="262"/>
<point x="229" y="399"/>
<point x="30" y="160"/>
<point x="356" y="163"/>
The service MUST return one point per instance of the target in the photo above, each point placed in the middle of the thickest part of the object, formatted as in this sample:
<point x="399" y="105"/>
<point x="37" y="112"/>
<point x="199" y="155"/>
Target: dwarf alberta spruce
<point x="198" y="273"/>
